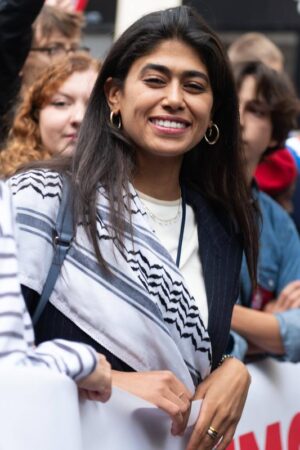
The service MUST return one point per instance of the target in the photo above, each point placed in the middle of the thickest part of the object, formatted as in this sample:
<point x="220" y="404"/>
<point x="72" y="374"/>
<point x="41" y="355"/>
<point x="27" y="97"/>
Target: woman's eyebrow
<point x="62" y="94"/>
<point x="166" y="71"/>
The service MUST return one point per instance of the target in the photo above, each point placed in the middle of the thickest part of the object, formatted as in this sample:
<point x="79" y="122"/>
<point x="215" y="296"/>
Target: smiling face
<point x="60" y="119"/>
<point x="166" y="101"/>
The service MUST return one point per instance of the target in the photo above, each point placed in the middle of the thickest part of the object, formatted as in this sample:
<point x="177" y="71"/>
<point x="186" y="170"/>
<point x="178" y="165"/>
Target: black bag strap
<point x="62" y="240"/>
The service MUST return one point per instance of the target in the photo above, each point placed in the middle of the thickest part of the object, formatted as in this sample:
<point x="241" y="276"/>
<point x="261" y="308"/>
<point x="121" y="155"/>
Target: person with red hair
<point x="49" y="117"/>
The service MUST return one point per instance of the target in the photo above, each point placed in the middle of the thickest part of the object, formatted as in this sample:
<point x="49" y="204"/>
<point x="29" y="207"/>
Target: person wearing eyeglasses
<point x="60" y="49"/>
<point x="56" y="33"/>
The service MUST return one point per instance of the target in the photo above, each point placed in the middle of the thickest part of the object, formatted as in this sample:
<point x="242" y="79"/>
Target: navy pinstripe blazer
<point x="220" y="248"/>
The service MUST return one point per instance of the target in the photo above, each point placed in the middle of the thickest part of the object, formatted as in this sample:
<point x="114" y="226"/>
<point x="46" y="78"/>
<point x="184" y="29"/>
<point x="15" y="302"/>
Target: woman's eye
<point x="59" y="103"/>
<point x="194" y="87"/>
<point x="257" y="112"/>
<point x="258" y="109"/>
<point x="155" y="81"/>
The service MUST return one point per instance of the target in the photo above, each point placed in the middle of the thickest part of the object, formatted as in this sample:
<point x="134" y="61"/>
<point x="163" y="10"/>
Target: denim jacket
<point x="279" y="264"/>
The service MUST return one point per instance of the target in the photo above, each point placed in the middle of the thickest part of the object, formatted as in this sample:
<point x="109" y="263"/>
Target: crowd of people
<point x="183" y="260"/>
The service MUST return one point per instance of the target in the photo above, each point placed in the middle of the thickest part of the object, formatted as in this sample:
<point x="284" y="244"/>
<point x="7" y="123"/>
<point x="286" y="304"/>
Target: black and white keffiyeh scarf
<point x="141" y="311"/>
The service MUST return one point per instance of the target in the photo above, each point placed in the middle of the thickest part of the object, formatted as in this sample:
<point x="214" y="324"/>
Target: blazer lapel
<point x="220" y="258"/>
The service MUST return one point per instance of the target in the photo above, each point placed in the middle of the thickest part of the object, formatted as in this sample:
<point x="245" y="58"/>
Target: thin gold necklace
<point x="160" y="220"/>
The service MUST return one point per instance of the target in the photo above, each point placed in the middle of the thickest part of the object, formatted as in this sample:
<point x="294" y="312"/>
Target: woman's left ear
<point x="113" y="94"/>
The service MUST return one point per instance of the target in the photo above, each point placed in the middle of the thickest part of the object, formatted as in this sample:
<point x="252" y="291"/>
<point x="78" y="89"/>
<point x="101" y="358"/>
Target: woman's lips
<point x="72" y="137"/>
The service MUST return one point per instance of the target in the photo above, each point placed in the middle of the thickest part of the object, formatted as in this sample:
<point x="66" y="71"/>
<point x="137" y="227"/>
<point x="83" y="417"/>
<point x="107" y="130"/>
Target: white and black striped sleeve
<point x="16" y="332"/>
<point x="72" y="358"/>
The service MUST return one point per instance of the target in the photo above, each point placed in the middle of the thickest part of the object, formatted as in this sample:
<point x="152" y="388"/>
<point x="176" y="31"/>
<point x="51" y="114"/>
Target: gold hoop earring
<point x="212" y="130"/>
<point x="112" y="120"/>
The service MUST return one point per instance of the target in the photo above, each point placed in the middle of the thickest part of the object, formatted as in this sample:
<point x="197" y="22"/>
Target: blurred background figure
<point x="48" y="119"/>
<point x="268" y="319"/>
<point x="256" y="47"/>
<point x="56" y="33"/>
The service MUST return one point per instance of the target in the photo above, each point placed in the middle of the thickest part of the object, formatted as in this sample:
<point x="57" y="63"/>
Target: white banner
<point x="271" y="419"/>
<point x="39" y="410"/>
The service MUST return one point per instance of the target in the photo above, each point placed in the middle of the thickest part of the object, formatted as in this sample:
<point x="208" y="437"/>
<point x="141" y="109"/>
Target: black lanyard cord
<point x="180" y="241"/>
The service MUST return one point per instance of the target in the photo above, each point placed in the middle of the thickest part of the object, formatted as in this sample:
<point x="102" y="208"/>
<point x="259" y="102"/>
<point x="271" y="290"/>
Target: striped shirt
<point x="16" y="331"/>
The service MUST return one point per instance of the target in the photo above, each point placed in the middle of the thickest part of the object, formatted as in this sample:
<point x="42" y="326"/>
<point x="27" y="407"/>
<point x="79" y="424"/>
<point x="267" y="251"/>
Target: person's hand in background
<point x="68" y="5"/>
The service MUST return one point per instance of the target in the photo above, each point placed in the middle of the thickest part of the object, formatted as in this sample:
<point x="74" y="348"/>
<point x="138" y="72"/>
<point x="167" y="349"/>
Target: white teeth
<point x="169" y="123"/>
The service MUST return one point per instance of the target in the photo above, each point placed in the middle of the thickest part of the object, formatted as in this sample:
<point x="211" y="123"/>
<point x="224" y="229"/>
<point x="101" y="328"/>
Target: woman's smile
<point x="169" y="125"/>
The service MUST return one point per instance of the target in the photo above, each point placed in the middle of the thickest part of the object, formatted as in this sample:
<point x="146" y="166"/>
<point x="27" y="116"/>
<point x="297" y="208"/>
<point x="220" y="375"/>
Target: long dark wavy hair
<point x="105" y="155"/>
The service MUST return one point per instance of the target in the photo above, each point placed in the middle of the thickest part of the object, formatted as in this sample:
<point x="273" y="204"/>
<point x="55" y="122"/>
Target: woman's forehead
<point x="173" y="53"/>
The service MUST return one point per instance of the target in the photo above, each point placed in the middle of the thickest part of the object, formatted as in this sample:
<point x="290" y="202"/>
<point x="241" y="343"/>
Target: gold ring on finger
<point x="212" y="433"/>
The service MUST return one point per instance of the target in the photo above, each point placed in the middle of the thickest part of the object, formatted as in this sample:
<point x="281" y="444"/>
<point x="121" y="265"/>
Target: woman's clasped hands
<point x="223" y="393"/>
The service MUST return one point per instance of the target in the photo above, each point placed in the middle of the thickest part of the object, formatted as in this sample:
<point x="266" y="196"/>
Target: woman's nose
<point x="78" y="114"/>
<point x="174" y="98"/>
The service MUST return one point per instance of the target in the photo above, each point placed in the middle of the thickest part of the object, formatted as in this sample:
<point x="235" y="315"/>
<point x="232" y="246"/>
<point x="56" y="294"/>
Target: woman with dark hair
<point x="162" y="216"/>
<point x="268" y="319"/>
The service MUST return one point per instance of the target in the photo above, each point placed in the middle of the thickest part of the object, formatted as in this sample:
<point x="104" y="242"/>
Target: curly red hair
<point x="24" y="143"/>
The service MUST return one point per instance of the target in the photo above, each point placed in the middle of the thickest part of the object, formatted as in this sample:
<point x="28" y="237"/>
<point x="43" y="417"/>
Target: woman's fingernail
<point x="174" y="430"/>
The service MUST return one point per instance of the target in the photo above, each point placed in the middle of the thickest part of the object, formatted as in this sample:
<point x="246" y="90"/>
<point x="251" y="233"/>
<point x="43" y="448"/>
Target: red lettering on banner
<point x="294" y="433"/>
<point x="273" y="439"/>
<point x="248" y="441"/>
